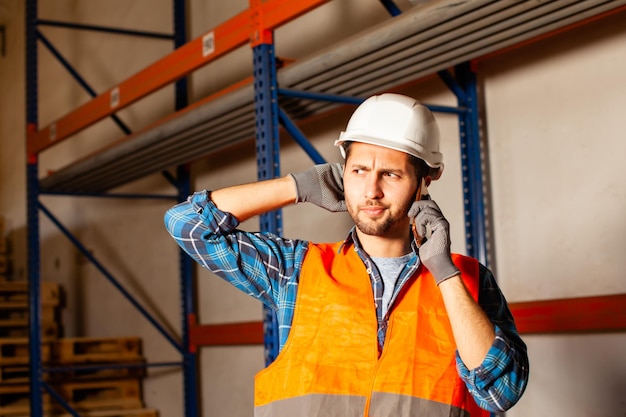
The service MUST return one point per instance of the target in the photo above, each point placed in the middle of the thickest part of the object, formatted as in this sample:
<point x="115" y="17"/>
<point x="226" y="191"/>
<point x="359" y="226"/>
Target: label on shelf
<point x="208" y="44"/>
<point x="115" y="97"/>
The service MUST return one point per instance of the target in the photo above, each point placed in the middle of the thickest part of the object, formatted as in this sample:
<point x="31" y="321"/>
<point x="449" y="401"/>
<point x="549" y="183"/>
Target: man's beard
<point x="381" y="226"/>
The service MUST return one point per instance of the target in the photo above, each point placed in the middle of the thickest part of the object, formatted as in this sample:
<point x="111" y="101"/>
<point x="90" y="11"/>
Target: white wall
<point x="555" y="140"/>
<point x="555" y="122"/>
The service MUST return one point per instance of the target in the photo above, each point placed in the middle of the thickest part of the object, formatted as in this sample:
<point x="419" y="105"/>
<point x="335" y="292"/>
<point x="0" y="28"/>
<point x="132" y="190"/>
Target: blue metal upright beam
<point x="268" y="160"/>
<point x="186" y="270"/>
<point x="36" y="408"/>
<point x="464" y="87"/>
<point x="188" y="307"/>
<point x="32" y="214"/>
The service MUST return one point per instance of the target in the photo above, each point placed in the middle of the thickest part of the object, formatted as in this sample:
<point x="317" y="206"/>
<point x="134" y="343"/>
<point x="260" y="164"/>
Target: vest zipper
<point x="379" y="354"/>
<point x="368" y="267"/>
<point x="378" y="362"/>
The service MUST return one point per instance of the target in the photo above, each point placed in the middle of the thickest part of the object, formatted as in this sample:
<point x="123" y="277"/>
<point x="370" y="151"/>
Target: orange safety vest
<point x="330" y="365"/>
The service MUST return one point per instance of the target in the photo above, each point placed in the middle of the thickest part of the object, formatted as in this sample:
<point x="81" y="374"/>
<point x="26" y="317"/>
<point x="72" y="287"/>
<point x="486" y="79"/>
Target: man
<point x="387" y="323"/>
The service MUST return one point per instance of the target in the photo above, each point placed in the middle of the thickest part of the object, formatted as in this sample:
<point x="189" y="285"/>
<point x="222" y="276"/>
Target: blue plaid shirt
<point x="267" y="267"/>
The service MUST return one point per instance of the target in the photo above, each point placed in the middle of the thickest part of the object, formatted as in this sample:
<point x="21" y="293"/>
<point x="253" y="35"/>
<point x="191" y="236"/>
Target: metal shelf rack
<point x="437" y="37"/>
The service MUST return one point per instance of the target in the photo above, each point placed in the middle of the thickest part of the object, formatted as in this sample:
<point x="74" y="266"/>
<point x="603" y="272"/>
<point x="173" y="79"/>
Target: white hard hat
<point x="397" y="122"/>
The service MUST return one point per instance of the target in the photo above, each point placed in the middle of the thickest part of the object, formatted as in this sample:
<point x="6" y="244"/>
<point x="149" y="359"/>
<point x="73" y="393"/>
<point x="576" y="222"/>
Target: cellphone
<point x="422" y="194"/>
<point x="422" y="191"/>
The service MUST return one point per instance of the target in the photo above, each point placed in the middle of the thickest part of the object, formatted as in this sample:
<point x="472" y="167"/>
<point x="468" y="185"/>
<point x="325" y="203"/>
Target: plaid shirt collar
<point x="352" y="240"/>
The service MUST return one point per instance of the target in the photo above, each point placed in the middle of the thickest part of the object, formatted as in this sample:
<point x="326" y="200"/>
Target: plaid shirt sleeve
<point x="260" y="264"/>
<point x="499" y="382"/>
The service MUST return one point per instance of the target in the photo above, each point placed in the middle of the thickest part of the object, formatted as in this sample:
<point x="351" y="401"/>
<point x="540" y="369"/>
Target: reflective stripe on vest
<point x="330" y="365"/>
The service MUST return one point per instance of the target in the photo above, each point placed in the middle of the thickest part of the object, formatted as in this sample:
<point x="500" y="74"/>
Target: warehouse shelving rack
<point x="440" y="37"/>
<point x="34" y="206"/>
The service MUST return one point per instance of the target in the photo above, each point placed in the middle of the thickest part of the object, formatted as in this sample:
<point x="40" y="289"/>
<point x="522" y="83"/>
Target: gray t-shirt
<point x="390" y="269"/>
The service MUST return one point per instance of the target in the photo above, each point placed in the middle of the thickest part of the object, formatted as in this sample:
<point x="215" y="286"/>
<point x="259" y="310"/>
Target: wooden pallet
<point x="15" y="400"/>
<point x="78" y="373"/>
<point x="15" y="357"/>
<point x="17" y="291"/>
<point x="16" y="314"/>
<point x="17" y="329"/>
<point x="4" y="245"/>
<point x="121" y="398"/>
<point x="144" y="412"/>
<point x="102" y="395"/>
<point x="14" y="374"/>
<point x="15" y="351"/>
<point x="5" y="264"/>
<point x="75" y="350"/>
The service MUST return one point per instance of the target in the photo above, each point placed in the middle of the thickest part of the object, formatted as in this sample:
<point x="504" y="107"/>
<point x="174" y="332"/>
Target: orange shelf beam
<point x="212" y="45"/>
<point x="571" y="315"/>
<point x="246" y="333"/>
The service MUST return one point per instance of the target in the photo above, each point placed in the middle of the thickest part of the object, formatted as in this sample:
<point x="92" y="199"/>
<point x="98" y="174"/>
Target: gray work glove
<point x="435" y="250"/>
<point x="322" y="185"/>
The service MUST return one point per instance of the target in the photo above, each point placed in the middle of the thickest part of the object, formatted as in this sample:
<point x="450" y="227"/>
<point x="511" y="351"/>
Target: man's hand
<point x="322" y="185"/>
<point x="435" y="250"/>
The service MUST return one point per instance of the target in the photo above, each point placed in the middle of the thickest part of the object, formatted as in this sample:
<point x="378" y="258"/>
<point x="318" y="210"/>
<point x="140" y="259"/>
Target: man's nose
<point x="373" y="188"/>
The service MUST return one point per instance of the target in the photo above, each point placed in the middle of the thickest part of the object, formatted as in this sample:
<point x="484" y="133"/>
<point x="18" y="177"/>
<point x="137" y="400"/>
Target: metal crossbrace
<point x="98" y="265"/>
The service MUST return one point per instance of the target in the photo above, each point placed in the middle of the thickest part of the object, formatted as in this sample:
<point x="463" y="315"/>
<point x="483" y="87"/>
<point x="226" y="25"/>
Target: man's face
<point x="379" y="187"/>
